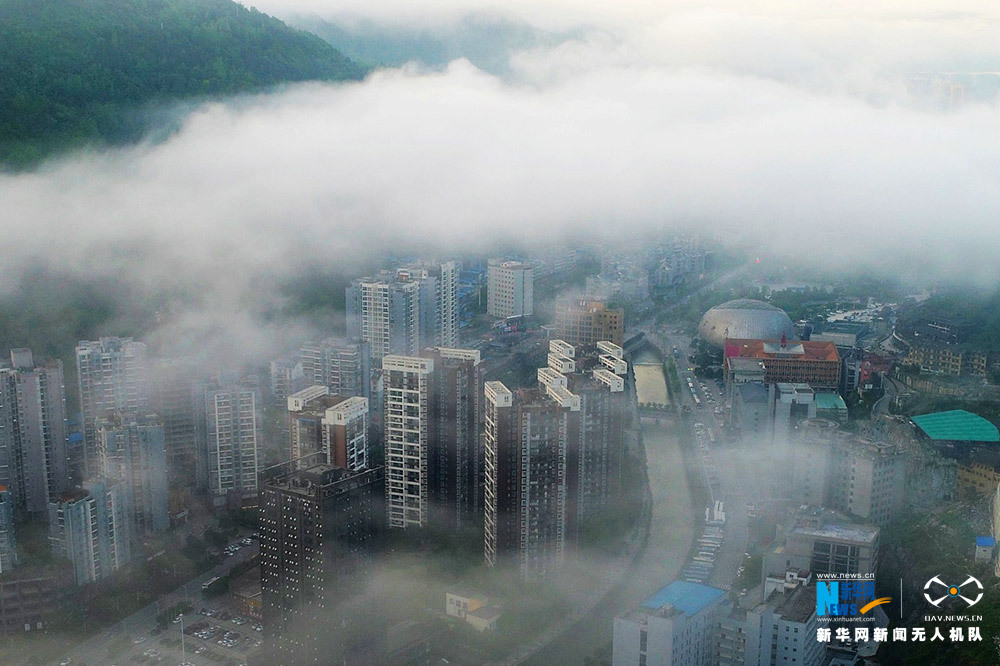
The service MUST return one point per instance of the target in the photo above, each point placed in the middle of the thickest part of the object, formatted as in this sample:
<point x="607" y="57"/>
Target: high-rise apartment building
<point x="90" y="527"/>
<point x="8" y="542"/>
<point x="335" y="425"/>
<point x="526" y="506"/>
<point x="588" y="321"/>
<point x="112" y="373"/>
<point x="287" y="376"/>
<point x="502" y="474"/>
<point x="173" y="398"/>
<point x="456" y="464"/>
<point x="230" y="440"/>
<point x="434" y="457"/>
<point x="510" y="288"/>
<point x="343" y="367"/>
<point x="552" y="455"/>
<point x="346" y="434"/>
<point x="408" y="404"/>
<point x="777" y="630"/>
<point x="446" y="275"/>
<point x="319" y="529"/>
<point x="448" y="304"/>
<point x="866" y="479"/>
<point x="598" y="441"/>
<point x="34" y="464"/>
<point x="132" y="450"/>
<point x="401" y="312"/>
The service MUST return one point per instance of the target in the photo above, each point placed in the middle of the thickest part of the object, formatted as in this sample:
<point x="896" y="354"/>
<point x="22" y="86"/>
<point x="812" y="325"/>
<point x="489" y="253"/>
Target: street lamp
<point x="183" y="648"/>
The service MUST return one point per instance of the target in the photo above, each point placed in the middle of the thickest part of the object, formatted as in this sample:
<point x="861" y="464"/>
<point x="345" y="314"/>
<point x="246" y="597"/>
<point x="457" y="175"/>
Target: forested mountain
<point x="487" y="40"/>
<point x="78" y="71"/>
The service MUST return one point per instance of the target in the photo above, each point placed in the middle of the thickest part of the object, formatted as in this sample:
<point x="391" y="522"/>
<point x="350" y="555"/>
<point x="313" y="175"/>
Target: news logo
<point x="846" y="598"/>
<point x="952" y="591"/>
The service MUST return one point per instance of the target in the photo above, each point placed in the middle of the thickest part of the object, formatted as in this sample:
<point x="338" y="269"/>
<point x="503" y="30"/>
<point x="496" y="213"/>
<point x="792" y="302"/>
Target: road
<point x="734" y="473"/>
<point x="671" y="532"/>
<point x="94" y="651"/>
<point x="737" y="476"/>
<point x="881" y="405"/>
<point x="670" y="537"/>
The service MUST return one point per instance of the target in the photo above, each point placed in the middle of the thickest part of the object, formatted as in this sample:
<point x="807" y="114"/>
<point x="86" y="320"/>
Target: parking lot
<point x="211" y="635"/>
<point x="139" y="639"/>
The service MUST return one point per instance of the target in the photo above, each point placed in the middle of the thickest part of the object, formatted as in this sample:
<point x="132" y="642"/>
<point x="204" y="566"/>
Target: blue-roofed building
<point x="685" y="596"/>
<point x="985" y="545"/>
<point x="671" y="628"/>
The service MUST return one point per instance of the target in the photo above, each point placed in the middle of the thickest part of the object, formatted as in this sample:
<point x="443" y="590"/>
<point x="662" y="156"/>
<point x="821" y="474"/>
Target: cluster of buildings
<point x="945" y="359"/>
<point x="691" y="623"/>
<point x="631" y="277"/>
<point x="149" y="430"/>
<point x="772" y="624"/>
<point x="772" y="385"/>
<point x="939" y="347"/>
<point x="393" y="428"/>
<point x="838" y="489"/>
<point x="523" y="467"/>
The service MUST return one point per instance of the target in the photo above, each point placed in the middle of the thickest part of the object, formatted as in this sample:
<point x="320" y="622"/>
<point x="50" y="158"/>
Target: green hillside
<point x="79" y="71"/>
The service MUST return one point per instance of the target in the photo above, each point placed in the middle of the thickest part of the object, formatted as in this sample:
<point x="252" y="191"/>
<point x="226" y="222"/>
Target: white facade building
<point x="407" y="420"/>
<point x="112" y="373"/>
<point x="232" y="440"/>
<point x="510" y="289"/>
<point x="674" y="627"/>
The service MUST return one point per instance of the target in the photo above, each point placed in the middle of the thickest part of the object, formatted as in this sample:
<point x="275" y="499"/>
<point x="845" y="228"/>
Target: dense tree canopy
<point x="75" y="71"/>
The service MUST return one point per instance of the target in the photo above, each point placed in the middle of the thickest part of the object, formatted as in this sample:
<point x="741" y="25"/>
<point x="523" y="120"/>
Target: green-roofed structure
<point x="831" y="406"/>
<point x="957" y="425"/>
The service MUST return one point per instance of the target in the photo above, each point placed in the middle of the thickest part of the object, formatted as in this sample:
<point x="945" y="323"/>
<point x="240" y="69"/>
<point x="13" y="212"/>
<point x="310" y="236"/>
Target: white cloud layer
<point x="785" y="124"/>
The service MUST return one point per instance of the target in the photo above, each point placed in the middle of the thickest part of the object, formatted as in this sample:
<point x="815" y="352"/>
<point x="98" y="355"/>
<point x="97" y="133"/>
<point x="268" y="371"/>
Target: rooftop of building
<point x="689" y="598"/>
<point x="828" y="400"/>
<point x="74" y="495"/>
<point x="466" y="593"/>
<point x="589" y="304"/>
<point x="797" y="605"/>
<point x="837" y="655"/>
<point x="866" y="534"/>
<point x="318" y="478"/>
<point x="823" y="522"/>
<point x="752" y="392"/>
<point x="487" y="613"/>
<point x="746" y="364"/>
<point x="797" y="387"/>
<point x="510" y="263"/>
<point x="841" y="326"/>
<point x="872" y="447"/>
<point x="773" y="349"/>
<point x="957" y="425"/>
<point x="985" y="542"/>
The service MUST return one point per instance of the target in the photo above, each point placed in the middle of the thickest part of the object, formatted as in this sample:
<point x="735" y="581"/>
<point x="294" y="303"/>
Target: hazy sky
<point x="789" y="123"/>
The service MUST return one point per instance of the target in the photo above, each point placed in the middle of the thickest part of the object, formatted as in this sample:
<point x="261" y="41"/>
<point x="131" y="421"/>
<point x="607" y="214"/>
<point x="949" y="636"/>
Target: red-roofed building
<point x="798" y="362"/>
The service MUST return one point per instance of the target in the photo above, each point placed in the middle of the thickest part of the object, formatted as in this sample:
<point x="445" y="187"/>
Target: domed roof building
<point x="744" y="318"/>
